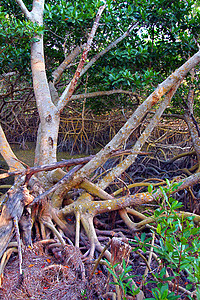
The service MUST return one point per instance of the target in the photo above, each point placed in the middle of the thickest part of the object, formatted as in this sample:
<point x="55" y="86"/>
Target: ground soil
<point x="45" y="277"/>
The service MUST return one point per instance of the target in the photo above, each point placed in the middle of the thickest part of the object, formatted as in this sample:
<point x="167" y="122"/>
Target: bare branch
<point x="129" y="160"/>
<point x="58" y="72"/>
<point x="96" y="57"/>
<point x="49" y="167"/>
<point x="112" y="45"/>
<point x="24" y="9"/>
<point x="61" y="164"/>
<point x="100" y="93"/>
<point x="66" y="96"/>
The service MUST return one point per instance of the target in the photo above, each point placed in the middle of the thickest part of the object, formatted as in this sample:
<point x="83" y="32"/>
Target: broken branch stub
<point x="120" y="250"/>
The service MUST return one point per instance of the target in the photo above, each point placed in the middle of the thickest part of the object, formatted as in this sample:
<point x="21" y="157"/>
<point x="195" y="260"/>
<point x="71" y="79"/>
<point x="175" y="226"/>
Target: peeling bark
<point x="17" y="200"/>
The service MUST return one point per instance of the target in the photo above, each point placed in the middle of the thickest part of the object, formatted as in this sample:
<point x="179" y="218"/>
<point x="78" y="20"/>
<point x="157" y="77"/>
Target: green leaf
<point x="113" y="273"/>
<point x="150" y="188"/>
<point x="158" y="229"/>
<point x="143" y="236"/>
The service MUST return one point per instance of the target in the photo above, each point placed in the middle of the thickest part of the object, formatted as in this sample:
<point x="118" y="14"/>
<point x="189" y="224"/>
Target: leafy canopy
<point x="165" y="35"/>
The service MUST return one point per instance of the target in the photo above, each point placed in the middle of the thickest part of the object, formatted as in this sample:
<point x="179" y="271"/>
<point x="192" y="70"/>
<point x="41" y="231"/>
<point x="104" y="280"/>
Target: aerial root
<point x="49" y="224"/>
<point x="87" y="222"/>
<point x="130" y="224"/>
<point x="43" y="231"/>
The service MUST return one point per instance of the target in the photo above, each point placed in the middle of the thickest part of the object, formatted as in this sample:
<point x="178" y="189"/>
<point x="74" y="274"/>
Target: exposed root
<point x="55" y="231"/>
<point x="76" y="220"/>
<point x="130" y="224"/>
<point x="87" y="222"/>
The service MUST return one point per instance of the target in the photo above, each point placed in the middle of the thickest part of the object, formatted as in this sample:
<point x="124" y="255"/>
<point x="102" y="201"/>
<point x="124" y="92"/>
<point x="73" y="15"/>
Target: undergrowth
<point x="176" y="250"/>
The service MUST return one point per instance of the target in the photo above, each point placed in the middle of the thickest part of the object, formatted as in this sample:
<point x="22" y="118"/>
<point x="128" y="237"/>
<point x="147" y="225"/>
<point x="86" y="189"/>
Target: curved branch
<point x="8" y="154"/>
<point x="99" y="207"/>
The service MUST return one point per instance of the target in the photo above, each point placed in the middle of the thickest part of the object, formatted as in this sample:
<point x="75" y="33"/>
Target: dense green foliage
<point x="177" y="249"/>
<point x="165" y="35"/>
